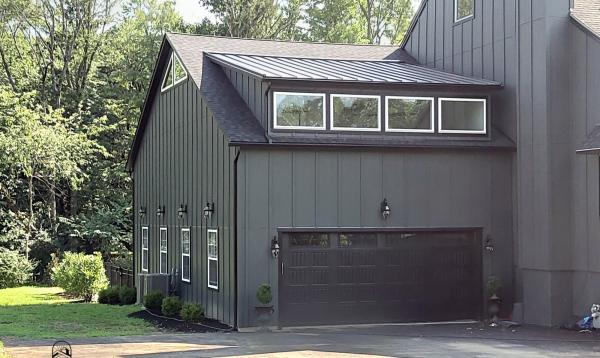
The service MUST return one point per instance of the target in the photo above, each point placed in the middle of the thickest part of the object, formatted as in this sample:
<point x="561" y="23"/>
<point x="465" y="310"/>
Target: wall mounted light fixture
<point x="208" y="210"/>
<point x="275" y="247"/>
<point x="489" y="245"/>
<point x="160" y="211"/>
<point x="385" y="209"/>
<point x="142" y="211"/>
<point x="182" y="211"/>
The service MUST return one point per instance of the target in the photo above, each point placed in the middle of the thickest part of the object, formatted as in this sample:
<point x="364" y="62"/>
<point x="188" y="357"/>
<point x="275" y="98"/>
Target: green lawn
<point x="42" y="312"/>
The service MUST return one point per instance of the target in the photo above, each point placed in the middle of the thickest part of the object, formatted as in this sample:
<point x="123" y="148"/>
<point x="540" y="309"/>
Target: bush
<point x="42" y="253"/>
<point x="153" y="301"/>
<point x="263" y="294"/>
<point x="127" y="295"/>
<point x="191" y="312"/>
<point x="15" y="270"/>
<point x="80" y="275"/>
<point x="109" y="296"/>
<point x="171" y="306"/>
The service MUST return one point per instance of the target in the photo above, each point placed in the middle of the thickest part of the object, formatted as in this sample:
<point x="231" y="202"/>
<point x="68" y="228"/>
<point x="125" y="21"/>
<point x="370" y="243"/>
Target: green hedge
<point x="80" y="275"/>
<point x="15" y="270"/>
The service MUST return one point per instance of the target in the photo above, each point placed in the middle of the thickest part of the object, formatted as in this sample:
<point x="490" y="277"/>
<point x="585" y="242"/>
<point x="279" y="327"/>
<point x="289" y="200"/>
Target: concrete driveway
<point x="451" y="340"/>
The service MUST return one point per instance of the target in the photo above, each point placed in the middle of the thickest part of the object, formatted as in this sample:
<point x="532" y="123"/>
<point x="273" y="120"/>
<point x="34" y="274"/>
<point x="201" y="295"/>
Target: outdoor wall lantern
<point x="181" y="211"/>
<point x="160" y="211"/>
<point x="208" y="210"/>
<point x="385" y="209"/>
<point x="275" y="247"/>
<point x="489" y="245"/>
<point x="142" y="211"/>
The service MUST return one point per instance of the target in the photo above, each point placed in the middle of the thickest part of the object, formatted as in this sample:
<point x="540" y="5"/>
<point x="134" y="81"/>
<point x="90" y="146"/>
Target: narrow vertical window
<point x="163" y="250"/>
<point x="145" y="249"/>
<point x="185" y="255"/>
<point x="213" y="258"/>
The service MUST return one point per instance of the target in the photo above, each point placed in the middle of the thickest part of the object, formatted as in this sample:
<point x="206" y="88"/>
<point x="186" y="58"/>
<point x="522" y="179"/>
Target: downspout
<point x="235" y="235"/>
<point x="133" y="268"/>
<point x="517" y="280"/>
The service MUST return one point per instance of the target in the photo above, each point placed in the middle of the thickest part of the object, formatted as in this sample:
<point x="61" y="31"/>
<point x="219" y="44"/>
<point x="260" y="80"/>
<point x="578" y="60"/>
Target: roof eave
<point x="583" y="25"/>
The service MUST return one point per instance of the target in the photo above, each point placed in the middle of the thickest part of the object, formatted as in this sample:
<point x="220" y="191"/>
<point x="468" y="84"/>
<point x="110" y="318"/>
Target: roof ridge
<point x="304" y="57"/>
<point x="282" y="41"/>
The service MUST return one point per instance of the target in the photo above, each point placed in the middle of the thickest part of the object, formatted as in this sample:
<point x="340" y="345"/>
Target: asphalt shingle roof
<point x="587" y="13"/>
<point x="342" y="70"/>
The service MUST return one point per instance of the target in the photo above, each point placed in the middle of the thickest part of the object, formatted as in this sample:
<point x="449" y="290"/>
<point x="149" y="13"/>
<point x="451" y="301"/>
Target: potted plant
<point x="493" y="287"/>
<point x="264" y="309"/>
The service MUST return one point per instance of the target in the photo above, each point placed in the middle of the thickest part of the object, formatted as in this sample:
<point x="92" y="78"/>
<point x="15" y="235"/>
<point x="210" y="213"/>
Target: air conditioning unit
<point x="152" y="282"/>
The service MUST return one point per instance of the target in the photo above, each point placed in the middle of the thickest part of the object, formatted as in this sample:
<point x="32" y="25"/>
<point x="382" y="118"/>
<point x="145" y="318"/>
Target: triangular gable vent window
<point x="174" y="74"/>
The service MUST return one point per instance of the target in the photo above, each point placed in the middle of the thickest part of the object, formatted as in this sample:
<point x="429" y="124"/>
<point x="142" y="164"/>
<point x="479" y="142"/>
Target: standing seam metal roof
<point x="342" y="70"/>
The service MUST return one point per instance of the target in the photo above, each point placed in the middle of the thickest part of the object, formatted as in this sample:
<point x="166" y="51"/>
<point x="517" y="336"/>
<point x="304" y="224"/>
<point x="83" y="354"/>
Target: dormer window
<point x="409" y="114"/>
<point x="299" y="110"/>
<point x="463" y="9"/>
<point x="462" y="115"/>
<point x="174" y="74"/>
<point x="355" y="112"/>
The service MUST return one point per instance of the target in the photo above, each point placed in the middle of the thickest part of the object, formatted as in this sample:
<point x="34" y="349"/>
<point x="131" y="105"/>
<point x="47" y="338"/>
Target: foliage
<point x="127" y="295"/>
<point x="15" y="269"/>
<point x="263" y="294"/>
<point x="153" y="301"/>
<point x="191" y="312"/>
<point x="109" y="296"/>
<point x="42" y="253"/>
<point x="44" y="312"/>
<point x="493" y="285"/>
<point x="171" y="306"/>
<point x="80" y="275"/>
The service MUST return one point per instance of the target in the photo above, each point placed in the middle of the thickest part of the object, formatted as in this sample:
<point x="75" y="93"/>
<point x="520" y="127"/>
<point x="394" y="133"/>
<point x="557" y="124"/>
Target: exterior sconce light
<point x="385" y="209"/>
<point x="208" y="210"/>
<point x="489" y="245"/>
<point x="181" y="211"/>
<point x="160" y="211"/>
<point x="275" y="247"/>
<point x="142" y="211"/>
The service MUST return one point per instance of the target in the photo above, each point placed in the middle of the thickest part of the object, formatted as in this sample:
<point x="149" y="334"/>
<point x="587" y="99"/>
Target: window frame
<point x="209" y="258"/>
<point x="315" y="94"/>
<point x="397" y="130"/>
<point x="186" y="229"/>
<point x="162" y="86"/>
<point x="175" y="80"/>
<point x="161" y="252"/>
<point x="462" y="99"/>
<point x="456" y="19"/>
<point x="332" y="117"/>
<point x="145" y="229"/>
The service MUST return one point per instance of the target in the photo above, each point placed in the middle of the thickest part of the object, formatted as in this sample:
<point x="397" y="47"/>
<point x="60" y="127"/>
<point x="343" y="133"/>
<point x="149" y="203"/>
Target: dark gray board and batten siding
<point x="185" y="159"/>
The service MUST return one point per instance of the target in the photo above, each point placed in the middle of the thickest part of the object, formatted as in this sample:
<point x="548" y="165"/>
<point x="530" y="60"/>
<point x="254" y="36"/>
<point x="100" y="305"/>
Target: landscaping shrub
<point x="127" y="295"/>
<point x="80" y="275"/>
<point x="171" y="306"/>
<point x="15" y="270"/>
<point x="191" y="312"/>
<point x="153" y="301"/>
<point x="109" y="296"/>
<point x="263" y="294"/>
<point x="42" y="253"/>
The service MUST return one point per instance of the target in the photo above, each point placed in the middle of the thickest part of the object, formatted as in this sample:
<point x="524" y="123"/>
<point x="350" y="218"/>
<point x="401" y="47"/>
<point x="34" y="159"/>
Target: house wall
<point x="253" y="90"/>
<point x="185" y="159"/>
<point x="312" y="188"/>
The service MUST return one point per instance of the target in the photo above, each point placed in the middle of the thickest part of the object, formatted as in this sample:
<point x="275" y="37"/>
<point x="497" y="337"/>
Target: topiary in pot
<point x="127" y="295"/>
<point x="191" y="312"/>
<point x="153" y="301"/>
<point x="265" y="309"/>
<point x="171" y="306"/>
<point x="264" y="295"/>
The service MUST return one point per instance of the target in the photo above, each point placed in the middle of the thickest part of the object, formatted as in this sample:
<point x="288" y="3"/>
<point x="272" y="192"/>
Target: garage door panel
<point x="369" y="277"/>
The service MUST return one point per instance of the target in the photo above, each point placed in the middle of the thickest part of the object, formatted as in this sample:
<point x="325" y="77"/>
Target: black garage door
<point x="375" y="277"/>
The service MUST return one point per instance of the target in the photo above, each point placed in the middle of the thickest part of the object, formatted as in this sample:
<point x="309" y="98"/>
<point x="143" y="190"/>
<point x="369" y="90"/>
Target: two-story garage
<point x="362" y="186"/>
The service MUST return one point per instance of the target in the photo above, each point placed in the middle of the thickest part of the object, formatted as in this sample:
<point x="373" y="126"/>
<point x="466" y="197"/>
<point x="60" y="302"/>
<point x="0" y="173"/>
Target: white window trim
<point x="145" y="228"/>
<point x="462" y="131"/>
<point x="277" y="126"/>
<point x="333" y="127"/>
<point x="209" y="259"/>
<point x="165" y="251"/>
<point x="188" y="255"/>
<point x="456" y="19"/>
<point x="184" y="70"/>
<point x="399" y="130"/>
<point x="162" y="86"/>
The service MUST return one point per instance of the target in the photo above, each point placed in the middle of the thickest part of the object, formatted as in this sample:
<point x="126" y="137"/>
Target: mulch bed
<point x="176" y="325"/>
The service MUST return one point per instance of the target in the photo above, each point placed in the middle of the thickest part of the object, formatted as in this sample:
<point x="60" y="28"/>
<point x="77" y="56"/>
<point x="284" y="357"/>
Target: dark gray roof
<point x="591" y="145"/>
<point x="342" y="70"/>
<point x="587" y="14"/>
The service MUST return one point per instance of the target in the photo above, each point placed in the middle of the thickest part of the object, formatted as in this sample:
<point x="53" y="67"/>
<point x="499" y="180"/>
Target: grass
<point x="43" y="312"/>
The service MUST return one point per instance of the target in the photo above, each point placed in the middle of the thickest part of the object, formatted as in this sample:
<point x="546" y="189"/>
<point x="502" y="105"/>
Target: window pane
<point x="355" y="112"/>
<point x="179" y="70"/>
<point x="309" y="240"/>
<point x="357" y="240"/>
<point x="299" y="110"/>
<point x="144" y="238"/>
<point x="408" y="113"/>
<point x="212" y="244"/>
<point x="463" y="115"/>
<point x="168" y="78"/>
<point x="185" y="269"/>
<point x="144" y="259"/>
<point x="185" y="242"/>
<point x="464" y="8"/>
<point x="163" y="240"/>
<point x="213" y="273"/>
<point x="163" y="262"/>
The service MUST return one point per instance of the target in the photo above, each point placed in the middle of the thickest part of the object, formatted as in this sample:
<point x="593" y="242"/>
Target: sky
<point x="193" y="12"/>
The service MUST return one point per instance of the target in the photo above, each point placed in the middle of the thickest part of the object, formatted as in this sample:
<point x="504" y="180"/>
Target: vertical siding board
<point x="326" y="190"/>
<point x="303" y="189"/>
